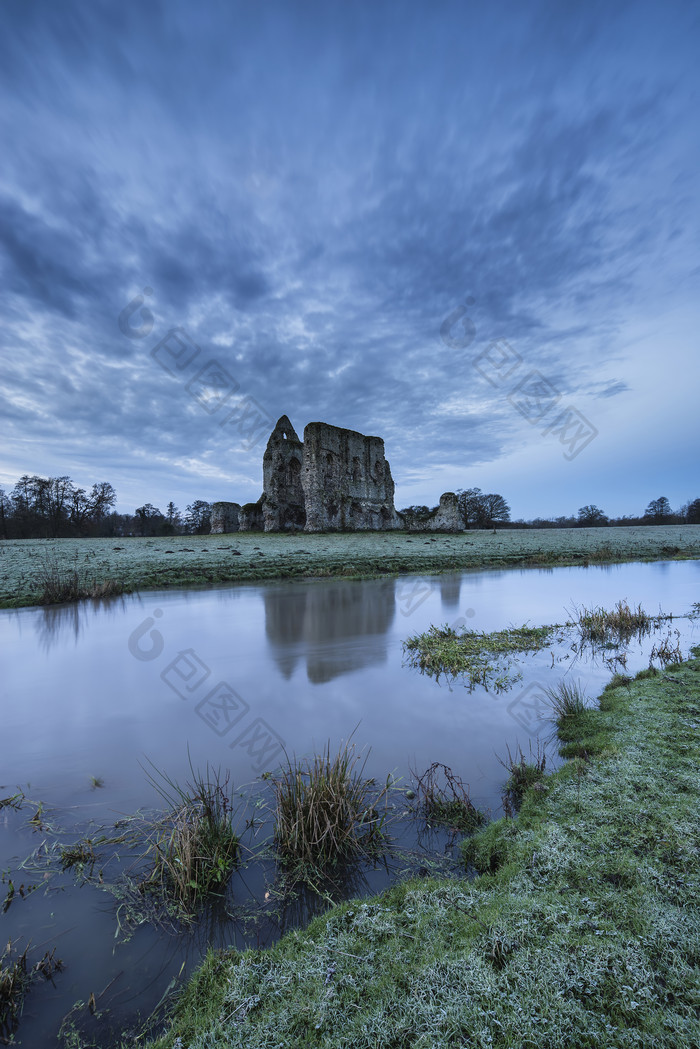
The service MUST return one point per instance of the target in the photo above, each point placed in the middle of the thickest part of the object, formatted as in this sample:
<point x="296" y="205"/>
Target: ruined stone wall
<point x="224" y="517"/>
<point x="335" y="480"/>
<point x="283" y="495"/>
<point x="346" y="481"/>
<point x="444" y="518"/>
<point x="447" y="517"/>
<point x="250" y="517"/>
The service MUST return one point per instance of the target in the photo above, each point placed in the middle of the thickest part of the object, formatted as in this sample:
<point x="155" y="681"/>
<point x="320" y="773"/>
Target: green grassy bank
<point x="101" y="566"/>
<point x="583" y="928"/>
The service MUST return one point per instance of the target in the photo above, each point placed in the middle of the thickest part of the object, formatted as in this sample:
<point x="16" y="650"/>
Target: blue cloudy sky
<point x="470" y="228"/>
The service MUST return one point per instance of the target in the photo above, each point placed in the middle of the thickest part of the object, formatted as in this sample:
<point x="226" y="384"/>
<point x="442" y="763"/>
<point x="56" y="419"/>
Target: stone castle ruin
<point x="333" y="480"/>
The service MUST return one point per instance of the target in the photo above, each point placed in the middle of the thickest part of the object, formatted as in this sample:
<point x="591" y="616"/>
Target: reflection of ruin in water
<point x="316" y="622"/>
<point x="450" y="586"/>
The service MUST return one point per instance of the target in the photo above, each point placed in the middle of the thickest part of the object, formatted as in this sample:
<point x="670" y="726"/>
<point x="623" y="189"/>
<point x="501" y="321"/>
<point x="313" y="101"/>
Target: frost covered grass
<point x="136" y="563"/>
<point x="582" y="926"/>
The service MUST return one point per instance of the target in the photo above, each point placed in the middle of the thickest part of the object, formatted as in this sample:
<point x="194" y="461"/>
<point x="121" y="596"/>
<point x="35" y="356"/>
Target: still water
<point x="235" y="677"/>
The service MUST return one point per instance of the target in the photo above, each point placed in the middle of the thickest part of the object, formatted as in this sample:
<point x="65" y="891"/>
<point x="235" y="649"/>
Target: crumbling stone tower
<point x="283" y="495"/>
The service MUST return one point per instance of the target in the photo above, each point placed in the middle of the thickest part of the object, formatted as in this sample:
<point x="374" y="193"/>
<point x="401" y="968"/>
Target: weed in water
<point x="666" y="651"/>
<point x="442" y="797"/>
<point x="327" y="812"/>
<point x="37" y="819"/>
<point x="483" y="659"/>
<point x="14" y="801"/>
<point x="619" y="625"/>
<point x="79" y="855"/>
<point x="96" y="781"/>
<point x="16" y="976"/>
<point x="522" y="774"/>
<point x="193" y="848"/>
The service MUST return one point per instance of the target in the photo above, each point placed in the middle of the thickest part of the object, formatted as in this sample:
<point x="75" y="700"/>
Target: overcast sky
<point x="469" y="228"/>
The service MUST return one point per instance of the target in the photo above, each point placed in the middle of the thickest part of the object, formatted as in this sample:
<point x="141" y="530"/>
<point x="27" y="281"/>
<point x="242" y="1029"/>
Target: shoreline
<point x="111" y="566"/>
<point x="581" y="927"/>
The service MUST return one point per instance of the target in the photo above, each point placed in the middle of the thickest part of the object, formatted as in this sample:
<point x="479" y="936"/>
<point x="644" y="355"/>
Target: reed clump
<point x="193" y="848"/>
<point x="568" y="700"/>
<point x="327" y="811"/>
<point x="666" y="650"/>
<point x="523" y="773"/>
<point x="617" y="625"/>
<point x="442" y="797"/>
<point x="57" y="583"/>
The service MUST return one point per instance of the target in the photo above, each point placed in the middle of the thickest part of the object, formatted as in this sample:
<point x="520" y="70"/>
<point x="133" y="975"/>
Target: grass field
<point x="188" y="561"/>
<point x="583" y="928"/>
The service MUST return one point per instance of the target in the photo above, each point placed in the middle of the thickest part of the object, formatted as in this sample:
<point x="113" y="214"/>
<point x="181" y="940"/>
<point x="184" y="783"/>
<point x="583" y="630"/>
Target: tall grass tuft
<point x="56" y="583"/>
<point x="568" y="700"/>
<point x="327" y="812"/>
<point x="523" y="773"/>
<point x="193" y="848"/>
<point x="442" y="797"/>
<point x="619" y="624"/>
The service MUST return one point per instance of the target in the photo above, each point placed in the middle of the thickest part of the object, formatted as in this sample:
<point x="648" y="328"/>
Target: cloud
<point x="310" y="192"/>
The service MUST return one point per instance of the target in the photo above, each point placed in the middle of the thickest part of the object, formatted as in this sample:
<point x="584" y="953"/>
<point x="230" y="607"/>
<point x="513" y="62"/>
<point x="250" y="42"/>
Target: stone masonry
<point x="333" y="480"/>
<point x="347" y="481"/>
<point x="224" y="517"/>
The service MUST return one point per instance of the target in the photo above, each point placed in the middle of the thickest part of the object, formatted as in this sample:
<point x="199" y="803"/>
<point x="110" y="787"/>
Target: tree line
<point x="488" y="510"/>
<point x="55" y="508"/>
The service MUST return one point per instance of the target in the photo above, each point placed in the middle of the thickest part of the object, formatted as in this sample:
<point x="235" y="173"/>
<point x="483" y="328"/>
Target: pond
<point x="234" y="677"/>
